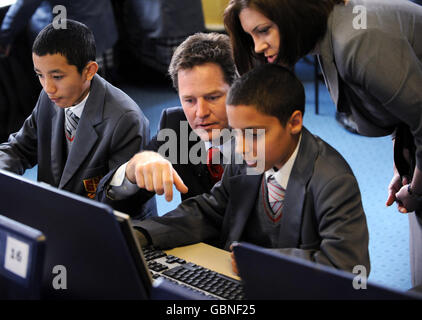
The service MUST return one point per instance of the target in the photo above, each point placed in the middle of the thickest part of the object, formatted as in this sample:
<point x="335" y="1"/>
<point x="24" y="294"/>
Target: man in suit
<point x="82" y="127"/>
<point x="307" y="202"/>
<point x="202" y="70"/>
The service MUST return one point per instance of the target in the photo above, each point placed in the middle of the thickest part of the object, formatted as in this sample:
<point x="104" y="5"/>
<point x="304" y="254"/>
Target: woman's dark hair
<point x="271" y="89"/>
<point x="302" y="23"/>
<point x="75" y="42"/>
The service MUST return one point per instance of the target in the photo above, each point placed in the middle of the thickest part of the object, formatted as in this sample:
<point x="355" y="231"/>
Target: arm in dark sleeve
<point x="342" y="227"/>
<point x="17" y="17"/>
<point x="392" y="74"/>
<point x="20" y="151"/>
<point x="134" y="205"/>
<point x="196" y="219"/>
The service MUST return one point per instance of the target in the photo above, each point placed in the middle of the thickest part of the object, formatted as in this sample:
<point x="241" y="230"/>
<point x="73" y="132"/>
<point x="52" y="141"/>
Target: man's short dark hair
<point x="76" y="43"/>
<point x="271" y="89"/>
<point x="202" y="48"/>
<point x="301" y="24"/>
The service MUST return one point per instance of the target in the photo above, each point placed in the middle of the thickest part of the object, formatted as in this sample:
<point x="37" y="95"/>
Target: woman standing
<point x="370" y="52"/>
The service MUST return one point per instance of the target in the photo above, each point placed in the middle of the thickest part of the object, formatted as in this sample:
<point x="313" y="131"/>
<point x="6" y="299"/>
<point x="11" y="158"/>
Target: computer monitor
<point x="87" y="255"/>
<point x="21" y="260"/>
<point x="271" y="275"/>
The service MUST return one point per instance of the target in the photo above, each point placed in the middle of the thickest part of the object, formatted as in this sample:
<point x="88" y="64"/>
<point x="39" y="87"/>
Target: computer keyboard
<point x="206" y="281"/>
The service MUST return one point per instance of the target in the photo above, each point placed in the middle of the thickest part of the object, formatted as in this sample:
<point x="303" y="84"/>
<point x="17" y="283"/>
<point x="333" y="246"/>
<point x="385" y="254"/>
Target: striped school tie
<point x="71" y="124"/>
<point x="275" y="195"/>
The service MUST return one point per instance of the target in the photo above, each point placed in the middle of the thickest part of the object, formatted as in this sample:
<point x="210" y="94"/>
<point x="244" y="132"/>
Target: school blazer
<point x="323" y="219"/>
<point x="111" y="129"/>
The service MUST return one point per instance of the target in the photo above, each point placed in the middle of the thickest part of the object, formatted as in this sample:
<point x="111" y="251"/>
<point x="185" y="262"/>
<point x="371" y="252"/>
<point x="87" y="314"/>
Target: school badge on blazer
<point x="91" y="185"/>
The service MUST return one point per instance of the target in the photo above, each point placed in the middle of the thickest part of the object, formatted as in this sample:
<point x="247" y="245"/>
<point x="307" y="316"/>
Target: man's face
<point x="202" y="92"/>
<point x="269" y="147"/>
<point x="62" y="82"/>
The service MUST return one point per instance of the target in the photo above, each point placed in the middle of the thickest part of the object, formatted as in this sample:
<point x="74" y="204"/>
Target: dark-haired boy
<point x="82" y="126"/>
<point x="307" y="202"/>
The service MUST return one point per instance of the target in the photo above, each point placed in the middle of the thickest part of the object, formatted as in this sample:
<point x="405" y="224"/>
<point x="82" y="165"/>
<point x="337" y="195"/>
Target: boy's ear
<point x="91" y="69"/>
<point x="295" y="122"/>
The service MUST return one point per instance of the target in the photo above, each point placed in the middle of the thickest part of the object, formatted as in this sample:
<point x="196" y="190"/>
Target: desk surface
<point x="206" y="256"/>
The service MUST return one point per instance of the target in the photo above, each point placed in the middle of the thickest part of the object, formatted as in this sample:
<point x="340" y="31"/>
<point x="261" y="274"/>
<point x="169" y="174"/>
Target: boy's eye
<point x="254" y="133"/>
<point x="38" y="75"/>
<point x="213" y="98"/>
<point x="57" y="77"/>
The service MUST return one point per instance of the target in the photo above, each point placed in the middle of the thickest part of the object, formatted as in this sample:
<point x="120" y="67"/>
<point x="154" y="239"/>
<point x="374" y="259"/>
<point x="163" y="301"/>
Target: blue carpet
<point x="371" y="160"/>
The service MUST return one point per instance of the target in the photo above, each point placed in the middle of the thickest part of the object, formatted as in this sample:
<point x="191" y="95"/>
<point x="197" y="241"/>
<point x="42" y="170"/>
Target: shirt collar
<point x="224" y="148"/>
<point x="79" y="108"/>
<point x="283" y="174"/>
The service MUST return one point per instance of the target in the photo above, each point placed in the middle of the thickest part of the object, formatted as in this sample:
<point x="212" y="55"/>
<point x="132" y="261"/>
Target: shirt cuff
<point x="120" y="187"/>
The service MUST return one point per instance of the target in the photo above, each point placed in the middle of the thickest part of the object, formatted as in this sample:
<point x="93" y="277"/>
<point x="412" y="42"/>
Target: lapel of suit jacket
<point x="327" y="63"/>
<point x="295" y="192"/>
<point x="57" y="144"/>
<point x="86" y="136"/>
<point x="244" y="191"/>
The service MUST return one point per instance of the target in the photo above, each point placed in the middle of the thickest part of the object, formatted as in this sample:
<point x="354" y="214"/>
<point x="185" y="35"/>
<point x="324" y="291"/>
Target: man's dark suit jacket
<point x="323" y="219"/>
<point x="195" y="176"/>
<point x="111" y="129"/>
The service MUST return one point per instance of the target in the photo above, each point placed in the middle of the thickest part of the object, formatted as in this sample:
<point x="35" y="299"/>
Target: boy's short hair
<point x="76" y="43"/>
<point x="202" y="48"/>
<point x="271" y="89"/>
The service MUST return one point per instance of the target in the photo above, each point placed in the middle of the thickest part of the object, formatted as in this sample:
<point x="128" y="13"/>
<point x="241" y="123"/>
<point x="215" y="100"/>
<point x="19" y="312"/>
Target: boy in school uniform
<point x="82" y="126"/>
<point x="307" y="201"/>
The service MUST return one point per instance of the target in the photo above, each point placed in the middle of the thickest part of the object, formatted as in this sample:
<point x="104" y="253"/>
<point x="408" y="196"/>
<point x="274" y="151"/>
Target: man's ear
<point x="295" y="122"/>
<point x="90" y="70"/>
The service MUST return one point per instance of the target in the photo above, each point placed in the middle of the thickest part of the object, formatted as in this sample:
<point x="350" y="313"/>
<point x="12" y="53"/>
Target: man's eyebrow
<point x="213" y="92"/>
<point x="206" y="94"/>
<point x="187" y="96"/>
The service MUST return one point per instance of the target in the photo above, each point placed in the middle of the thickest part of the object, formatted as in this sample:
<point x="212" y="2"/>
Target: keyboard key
<point x="193" y="275"/>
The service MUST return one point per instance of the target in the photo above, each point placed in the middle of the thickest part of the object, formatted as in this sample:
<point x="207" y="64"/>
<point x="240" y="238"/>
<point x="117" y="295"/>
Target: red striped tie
<point x="275" y="195"/>
<point x="213" y="164"/>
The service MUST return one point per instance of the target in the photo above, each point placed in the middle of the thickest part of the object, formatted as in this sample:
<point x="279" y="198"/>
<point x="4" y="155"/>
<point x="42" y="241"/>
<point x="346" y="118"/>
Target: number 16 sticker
<point x="16" y="259"/>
